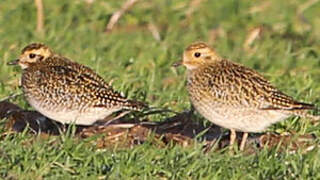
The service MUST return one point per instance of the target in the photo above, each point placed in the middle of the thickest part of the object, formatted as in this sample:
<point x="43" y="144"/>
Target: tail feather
<point x="303" y="106"/>
<point x="279" y="100"/>
<point x="295" y="105"/>
<point x="301" y="109"/>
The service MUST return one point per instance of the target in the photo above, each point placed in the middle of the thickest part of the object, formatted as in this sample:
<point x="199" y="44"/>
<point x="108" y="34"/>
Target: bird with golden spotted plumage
<point x="66" y="91"/>
<point x="233" y="96"/>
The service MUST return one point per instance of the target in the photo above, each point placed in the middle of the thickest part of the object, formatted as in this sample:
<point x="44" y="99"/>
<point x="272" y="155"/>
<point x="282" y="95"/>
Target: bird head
<point x="197" y="55"/>
<point x="32" y="54"/>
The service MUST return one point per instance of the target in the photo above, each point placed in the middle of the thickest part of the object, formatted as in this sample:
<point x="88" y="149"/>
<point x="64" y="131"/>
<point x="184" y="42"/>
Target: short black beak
<point x="13" y="62"/>
<point x="177" y="64"/>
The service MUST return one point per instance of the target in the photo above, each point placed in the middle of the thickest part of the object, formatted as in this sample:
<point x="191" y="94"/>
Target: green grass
<point x="288" y="54"/>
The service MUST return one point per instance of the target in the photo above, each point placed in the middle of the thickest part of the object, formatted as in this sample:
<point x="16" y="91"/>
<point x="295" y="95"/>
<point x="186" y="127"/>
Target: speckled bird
<point x="66" y="91"/>
<point x="233" y="96"/>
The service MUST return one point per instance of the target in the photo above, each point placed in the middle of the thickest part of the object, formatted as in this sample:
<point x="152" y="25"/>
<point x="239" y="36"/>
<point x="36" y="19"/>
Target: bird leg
<point x="233" y="137"/>
<point x="243" y="141"/>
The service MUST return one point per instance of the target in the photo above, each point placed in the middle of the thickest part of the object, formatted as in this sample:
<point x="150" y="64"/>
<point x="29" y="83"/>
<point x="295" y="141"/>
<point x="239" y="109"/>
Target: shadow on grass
<point x="126" y="133"/>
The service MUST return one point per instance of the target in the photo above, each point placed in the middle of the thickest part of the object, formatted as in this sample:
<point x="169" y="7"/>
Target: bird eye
<point x="197" y="54"/>
<point x="32" y="55"/>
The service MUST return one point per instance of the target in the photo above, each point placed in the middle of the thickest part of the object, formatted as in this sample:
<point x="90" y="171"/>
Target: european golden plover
<point x="234" y="96"/>
<point x="66" y="91"/>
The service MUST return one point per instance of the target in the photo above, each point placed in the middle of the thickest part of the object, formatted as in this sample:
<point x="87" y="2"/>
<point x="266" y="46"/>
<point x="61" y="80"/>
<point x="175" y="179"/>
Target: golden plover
<point x="234" y="96"/>
<point x="66" y="91"/>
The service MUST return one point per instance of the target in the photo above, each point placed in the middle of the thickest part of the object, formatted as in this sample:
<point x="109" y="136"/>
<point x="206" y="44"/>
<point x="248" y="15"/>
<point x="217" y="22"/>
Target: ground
<point x="280" y="39"/>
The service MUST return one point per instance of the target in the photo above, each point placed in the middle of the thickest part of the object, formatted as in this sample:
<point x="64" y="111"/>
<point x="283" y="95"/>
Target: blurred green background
<point x="280" y="39"/>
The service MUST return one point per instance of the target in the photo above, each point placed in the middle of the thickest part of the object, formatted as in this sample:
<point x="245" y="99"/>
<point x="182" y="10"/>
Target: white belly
<point x="239" y="119"/>
<point x="87" y="117"/>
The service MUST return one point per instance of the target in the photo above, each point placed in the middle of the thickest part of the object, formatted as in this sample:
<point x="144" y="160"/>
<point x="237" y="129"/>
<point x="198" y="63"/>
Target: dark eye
<point x="197" y="54"/>
<point x="32" y="56"/>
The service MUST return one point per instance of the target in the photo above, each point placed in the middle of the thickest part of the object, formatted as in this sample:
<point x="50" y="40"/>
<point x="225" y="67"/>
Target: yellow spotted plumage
<point x="234" y="96"/>
<point x="66" y="91"/>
